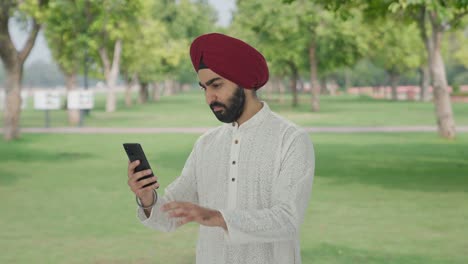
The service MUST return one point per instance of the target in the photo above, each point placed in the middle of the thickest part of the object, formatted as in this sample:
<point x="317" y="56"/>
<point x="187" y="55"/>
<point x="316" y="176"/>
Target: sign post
<point x="47" y="100"/>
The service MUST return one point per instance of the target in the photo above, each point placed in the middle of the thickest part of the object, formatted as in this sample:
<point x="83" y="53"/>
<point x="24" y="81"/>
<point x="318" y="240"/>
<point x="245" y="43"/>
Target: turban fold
<point x="231" y="58"/>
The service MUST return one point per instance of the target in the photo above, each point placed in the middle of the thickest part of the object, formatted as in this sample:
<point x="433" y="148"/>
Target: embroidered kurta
<point x="259" y="176"/>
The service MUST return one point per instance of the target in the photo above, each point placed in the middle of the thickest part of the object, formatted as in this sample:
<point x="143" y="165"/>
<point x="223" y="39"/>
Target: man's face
<point x="225" y="98"/>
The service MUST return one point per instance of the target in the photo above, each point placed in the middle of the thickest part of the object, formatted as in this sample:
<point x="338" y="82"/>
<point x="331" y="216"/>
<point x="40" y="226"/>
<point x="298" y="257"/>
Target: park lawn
<point x="190" y="110"/>
<point x="377" y="198"/>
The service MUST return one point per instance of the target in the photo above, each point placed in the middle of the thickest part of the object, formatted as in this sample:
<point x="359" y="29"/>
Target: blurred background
<point x="382" y="87"/>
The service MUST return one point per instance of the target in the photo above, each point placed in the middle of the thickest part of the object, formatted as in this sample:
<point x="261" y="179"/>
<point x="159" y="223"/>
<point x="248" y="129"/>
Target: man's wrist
<point x="147" y="203"/>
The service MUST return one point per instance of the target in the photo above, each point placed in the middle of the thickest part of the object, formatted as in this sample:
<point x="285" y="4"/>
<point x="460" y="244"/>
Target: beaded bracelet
<point x="155" y="198"/>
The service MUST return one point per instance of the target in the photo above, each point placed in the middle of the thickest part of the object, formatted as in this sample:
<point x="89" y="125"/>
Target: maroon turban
<point x="231" y="58"/>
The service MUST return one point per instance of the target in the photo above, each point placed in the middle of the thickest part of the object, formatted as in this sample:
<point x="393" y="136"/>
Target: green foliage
<point x="76" y="29"/>
<point x="447" y="13"/>
<point x="395" y="46"/>
<point x="65" y="31"/>
<point x="460" y="51"/>
<point x="157" y="47"/>
<point x="284" y="33"/>
<point x="365" y="73"/>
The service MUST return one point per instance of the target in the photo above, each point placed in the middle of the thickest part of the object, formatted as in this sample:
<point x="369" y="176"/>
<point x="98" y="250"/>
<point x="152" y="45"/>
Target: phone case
<point x="135" y="152"/>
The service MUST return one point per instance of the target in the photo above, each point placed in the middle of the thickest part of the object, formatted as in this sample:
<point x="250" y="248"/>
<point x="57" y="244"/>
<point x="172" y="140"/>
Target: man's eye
<point x="216" y="85"/>
<point x="202" y="88"/>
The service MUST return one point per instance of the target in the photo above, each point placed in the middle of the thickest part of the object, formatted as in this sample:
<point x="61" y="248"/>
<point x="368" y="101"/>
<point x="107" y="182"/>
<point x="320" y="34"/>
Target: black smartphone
<point x="135" y="152"/>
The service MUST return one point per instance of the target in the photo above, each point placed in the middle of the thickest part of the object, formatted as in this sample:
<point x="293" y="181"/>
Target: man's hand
<point x="145" y="194"/>
<point x="189" y="212"/>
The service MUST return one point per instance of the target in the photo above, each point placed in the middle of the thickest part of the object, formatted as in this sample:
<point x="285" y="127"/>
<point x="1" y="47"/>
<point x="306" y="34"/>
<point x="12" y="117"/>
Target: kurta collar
<point x="255" y="120"/>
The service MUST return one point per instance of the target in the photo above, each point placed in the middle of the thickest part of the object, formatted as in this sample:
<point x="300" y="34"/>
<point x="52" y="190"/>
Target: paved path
<point x="199" y="130"/>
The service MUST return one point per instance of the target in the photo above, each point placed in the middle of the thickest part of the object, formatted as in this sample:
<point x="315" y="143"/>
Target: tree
<point x="109" y="24"/>
<point x="441" y="15"/>
<point x="65" y="31"/>
<point x="270" y="26"/>
<point x="393" y="47"/>
<point x="185" y="20"/>
<point x="13" y="60"/>
<point x="301" y="35"/>
<point x="434" y="17"/>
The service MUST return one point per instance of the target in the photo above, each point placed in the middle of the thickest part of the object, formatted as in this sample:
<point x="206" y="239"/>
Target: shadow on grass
<point x="332" y="254"/>
<point x="421" y="167"/>
<point x="16" y="157"/>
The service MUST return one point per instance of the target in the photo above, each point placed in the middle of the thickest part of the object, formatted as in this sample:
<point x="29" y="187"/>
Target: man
<point x="248" y="182"/>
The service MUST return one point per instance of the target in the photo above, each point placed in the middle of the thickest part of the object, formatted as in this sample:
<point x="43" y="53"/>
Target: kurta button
<point x="234" y="163"/>
<point x="237" y="141"/>
<point x="233" y="124"/>
<point x="233" y="179"/>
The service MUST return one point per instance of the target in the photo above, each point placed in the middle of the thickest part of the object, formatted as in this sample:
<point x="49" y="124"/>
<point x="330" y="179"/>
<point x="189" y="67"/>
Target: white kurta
<point x="259" y="176"/>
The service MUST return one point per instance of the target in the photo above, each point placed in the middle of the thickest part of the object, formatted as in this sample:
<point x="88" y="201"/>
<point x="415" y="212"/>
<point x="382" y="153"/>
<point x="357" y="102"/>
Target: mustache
<point x="214" y="104"/>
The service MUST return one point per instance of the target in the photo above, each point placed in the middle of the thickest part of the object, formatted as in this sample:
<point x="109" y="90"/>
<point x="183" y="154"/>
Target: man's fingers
<point x="184" y="221"/>
<point x="179" y="212"/>
<point x="138" y="175"/>
<point x="132" y="166"/>
<point x="173" y="205"/>
<point x="140" y="184"/>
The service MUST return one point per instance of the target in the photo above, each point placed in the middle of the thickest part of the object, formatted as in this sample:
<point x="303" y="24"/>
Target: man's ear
<point x="251" y="93"/>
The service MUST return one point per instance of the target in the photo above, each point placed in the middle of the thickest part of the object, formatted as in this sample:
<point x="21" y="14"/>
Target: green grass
<point x="190" y="110"/>
<point x="377" y="198"/>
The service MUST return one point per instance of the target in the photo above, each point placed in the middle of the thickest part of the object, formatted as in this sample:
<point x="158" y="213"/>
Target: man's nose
<point x="210" y="96"/>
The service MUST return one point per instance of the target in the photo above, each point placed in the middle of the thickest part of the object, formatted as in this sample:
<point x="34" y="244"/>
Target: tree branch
<point x="5" y="41"/>
<point x="422" y="24"/>
<point x="116" y="58"/>
<point x="105" y="61"/>
<point x="457" y="17"/>
<point x="23" y="54"/>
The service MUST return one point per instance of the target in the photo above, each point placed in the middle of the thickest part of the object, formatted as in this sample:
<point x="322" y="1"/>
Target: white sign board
<point x="46" y="100"/>
<point x="24" y="99"/>
<point x="82" y="99"/>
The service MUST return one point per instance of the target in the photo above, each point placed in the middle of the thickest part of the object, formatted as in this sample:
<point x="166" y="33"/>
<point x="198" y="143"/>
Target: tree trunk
<point x="282" y="90"/>
<point x="333" y="87"/>
<point x="168" y="87"/>
<point x="275" y="86"/>
<point x="301" y="84"/>
<point x="130" y="82"/>
<point x="443" y="105"/>
<point x="394" y="78"/>
<point x="73" y="114"/>
<point x="156" y="92"/>
<point x="177" y="87"/>
<point x="111" y="71"/>
<point x="12" y="110"/>
<point x="128" y="94"/>
<point x="323" y="86"/>
<point x="347" y="79"/>
<point x="424" y="82"/>
<point x="269" y="90"/>
<point x="315" y="87"/>
<point x="293" y="83"/>
<point x="13" y="61"/>
<point x="144" y="93"/>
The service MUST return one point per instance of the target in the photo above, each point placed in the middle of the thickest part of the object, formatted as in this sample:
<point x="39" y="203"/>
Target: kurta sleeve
<point x="183" y="188"/>
<point x="291" y="194"/>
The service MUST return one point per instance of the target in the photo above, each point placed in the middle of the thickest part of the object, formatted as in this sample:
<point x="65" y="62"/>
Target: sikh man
<point x="248" y="182"/>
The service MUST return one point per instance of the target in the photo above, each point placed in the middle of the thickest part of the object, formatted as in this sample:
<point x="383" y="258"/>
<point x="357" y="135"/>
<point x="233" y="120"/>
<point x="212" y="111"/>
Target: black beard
<point x="235" y="109"/>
